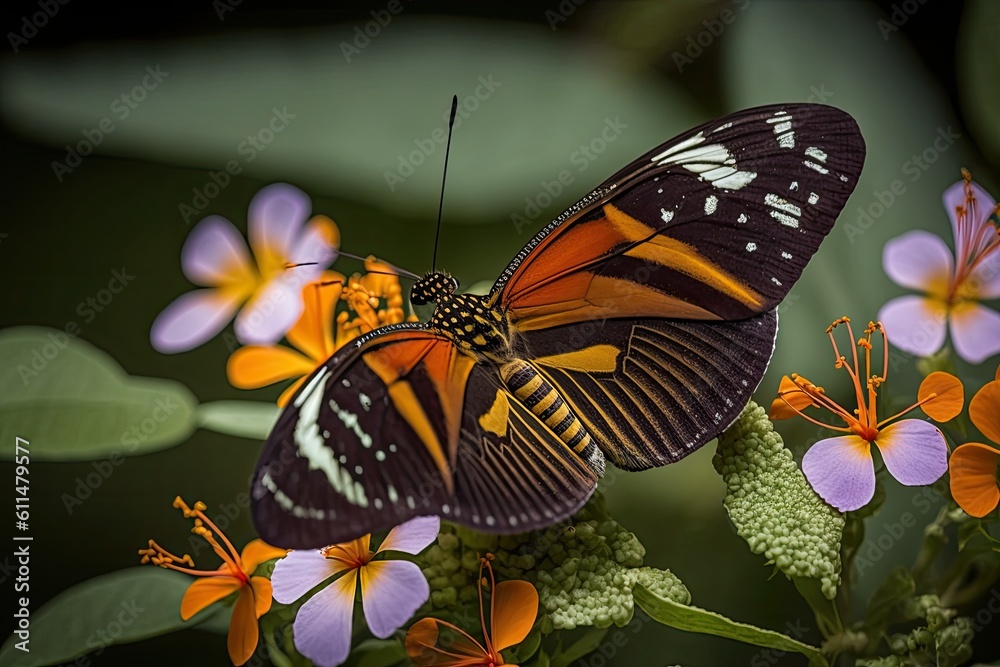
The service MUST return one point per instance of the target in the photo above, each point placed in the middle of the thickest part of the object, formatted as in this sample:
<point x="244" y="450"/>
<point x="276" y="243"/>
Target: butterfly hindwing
<point x="650" y="392"/>
<point x="399" y="427"/>
<point x="718" y="223"/>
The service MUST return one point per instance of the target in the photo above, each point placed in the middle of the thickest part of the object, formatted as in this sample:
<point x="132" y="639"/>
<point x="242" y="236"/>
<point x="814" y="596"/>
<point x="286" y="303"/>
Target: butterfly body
<point x="632" y="329"/>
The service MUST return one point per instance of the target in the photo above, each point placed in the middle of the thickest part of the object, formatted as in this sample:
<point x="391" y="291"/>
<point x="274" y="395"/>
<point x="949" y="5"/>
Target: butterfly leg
<point x="539" y="396"/>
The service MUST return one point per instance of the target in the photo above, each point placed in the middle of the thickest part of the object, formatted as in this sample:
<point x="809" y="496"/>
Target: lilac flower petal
<point x="914" y="451"/>
<point x="413" y="536"/>
<point x="297" y="573"/>
<point x="841" y="471"/>
<point x="955" y="196"/>
<point x="918" y="260"/>
<point x="914" y="324"/>
<point x="984" y="280"/>
<point x="192" y="319"/>
<point x="317" y="243"/>
<point x="272" y="311"/>
<point x="391" y="591"/>
<point x="277" y="213"/>
<point x="975" y="332"/>
<point x="215" y="253"/>
<point x="322" y="628"/>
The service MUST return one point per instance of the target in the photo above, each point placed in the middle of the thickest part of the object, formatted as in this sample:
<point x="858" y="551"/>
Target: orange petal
<point x="313" y="333"/>
<point x="973" y="478"/>
<point x="257" y="552"/>
<point x="950" y="396"/>
<point x="515" y="606"/>
<point x="790" y="392"/>
<point x="243" y="631"/>
<point x="460" y="649"/>
<point x="984" y="410"/>
<point x="256" y="366"/>
<point x="261" y="594"/>
<point x="206" y="591"/>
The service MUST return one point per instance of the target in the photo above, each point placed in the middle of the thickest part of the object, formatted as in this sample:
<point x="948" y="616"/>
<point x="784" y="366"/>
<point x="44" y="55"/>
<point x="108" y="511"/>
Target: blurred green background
<point x="537" y="83"/>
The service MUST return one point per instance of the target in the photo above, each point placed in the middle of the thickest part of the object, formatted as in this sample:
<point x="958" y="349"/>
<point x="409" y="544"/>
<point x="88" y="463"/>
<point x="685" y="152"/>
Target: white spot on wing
<point x="742" y="218"/>
<point x="350" y="420"/>
<point x="711" y="202"/>
<point x="751" y="246"/>
<point x="784" y="219"/>
<point x="820" y="169"/>
<point x="783" y="204"/>
<point x="687" y="143"/>
<point x="816" y="153"/>
<point x="813" y="197"/>
<point x="666" y="215"/>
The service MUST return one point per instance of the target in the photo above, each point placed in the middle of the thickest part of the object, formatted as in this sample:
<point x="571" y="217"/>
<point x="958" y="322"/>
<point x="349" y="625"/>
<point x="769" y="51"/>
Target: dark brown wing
<point x="403" y="424"/>
<point x="717" y="223"/>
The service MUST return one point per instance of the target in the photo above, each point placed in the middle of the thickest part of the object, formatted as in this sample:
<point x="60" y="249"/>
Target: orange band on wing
<point x="683" y="258"/>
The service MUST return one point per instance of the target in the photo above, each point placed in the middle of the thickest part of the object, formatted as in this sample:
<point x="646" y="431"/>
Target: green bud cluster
<point x="945" y="640"/>
<point x="772" y="505"/>
<point x="584" y="568"/>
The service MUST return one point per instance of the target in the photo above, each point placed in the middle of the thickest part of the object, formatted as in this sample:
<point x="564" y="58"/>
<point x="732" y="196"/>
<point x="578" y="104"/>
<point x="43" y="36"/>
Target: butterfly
<point x="631" y="330"/>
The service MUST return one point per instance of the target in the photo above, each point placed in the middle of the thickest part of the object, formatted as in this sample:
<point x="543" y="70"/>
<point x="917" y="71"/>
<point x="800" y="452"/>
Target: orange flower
<point x="314" y="335"/>
<point x="974" y="465"/>
<point x="513" y="608"/>
<point x="235" y="574"/>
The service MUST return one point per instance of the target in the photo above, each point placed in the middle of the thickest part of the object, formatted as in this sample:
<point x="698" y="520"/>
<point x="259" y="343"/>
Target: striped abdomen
<point x="539" y="396"/>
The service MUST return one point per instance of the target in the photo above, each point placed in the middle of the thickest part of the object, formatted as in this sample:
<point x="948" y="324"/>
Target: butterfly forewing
<point x="715" y="224"/>
<point x="403" y="426"/>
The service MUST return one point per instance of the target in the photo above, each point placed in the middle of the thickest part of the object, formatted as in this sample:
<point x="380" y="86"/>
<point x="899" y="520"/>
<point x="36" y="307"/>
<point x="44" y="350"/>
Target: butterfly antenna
<point x="398" y="270"/>
<point x="447" y="151"/>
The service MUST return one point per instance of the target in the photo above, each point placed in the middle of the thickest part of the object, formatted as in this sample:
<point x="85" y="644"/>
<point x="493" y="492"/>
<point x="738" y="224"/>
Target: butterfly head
<point x="432" y="287"/>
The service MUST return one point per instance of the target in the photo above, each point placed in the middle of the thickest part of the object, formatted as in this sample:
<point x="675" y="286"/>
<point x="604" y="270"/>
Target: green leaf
<point x="581" y="647"/>
<point x="116" y="608"/>
<point x="693" y="619"/>
<point x="245" y="419"/>
<point x="376" y="653"/>
<point x="523" y="651"/>
<point x="73" y="402"/>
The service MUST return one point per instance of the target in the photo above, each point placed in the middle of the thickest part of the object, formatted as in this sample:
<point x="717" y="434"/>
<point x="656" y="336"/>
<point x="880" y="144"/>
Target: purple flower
<point x="953" y="284"/>
<point x="391" y="590"/>
<point x="841" y="469"/>
<point x="216" y="256"/>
